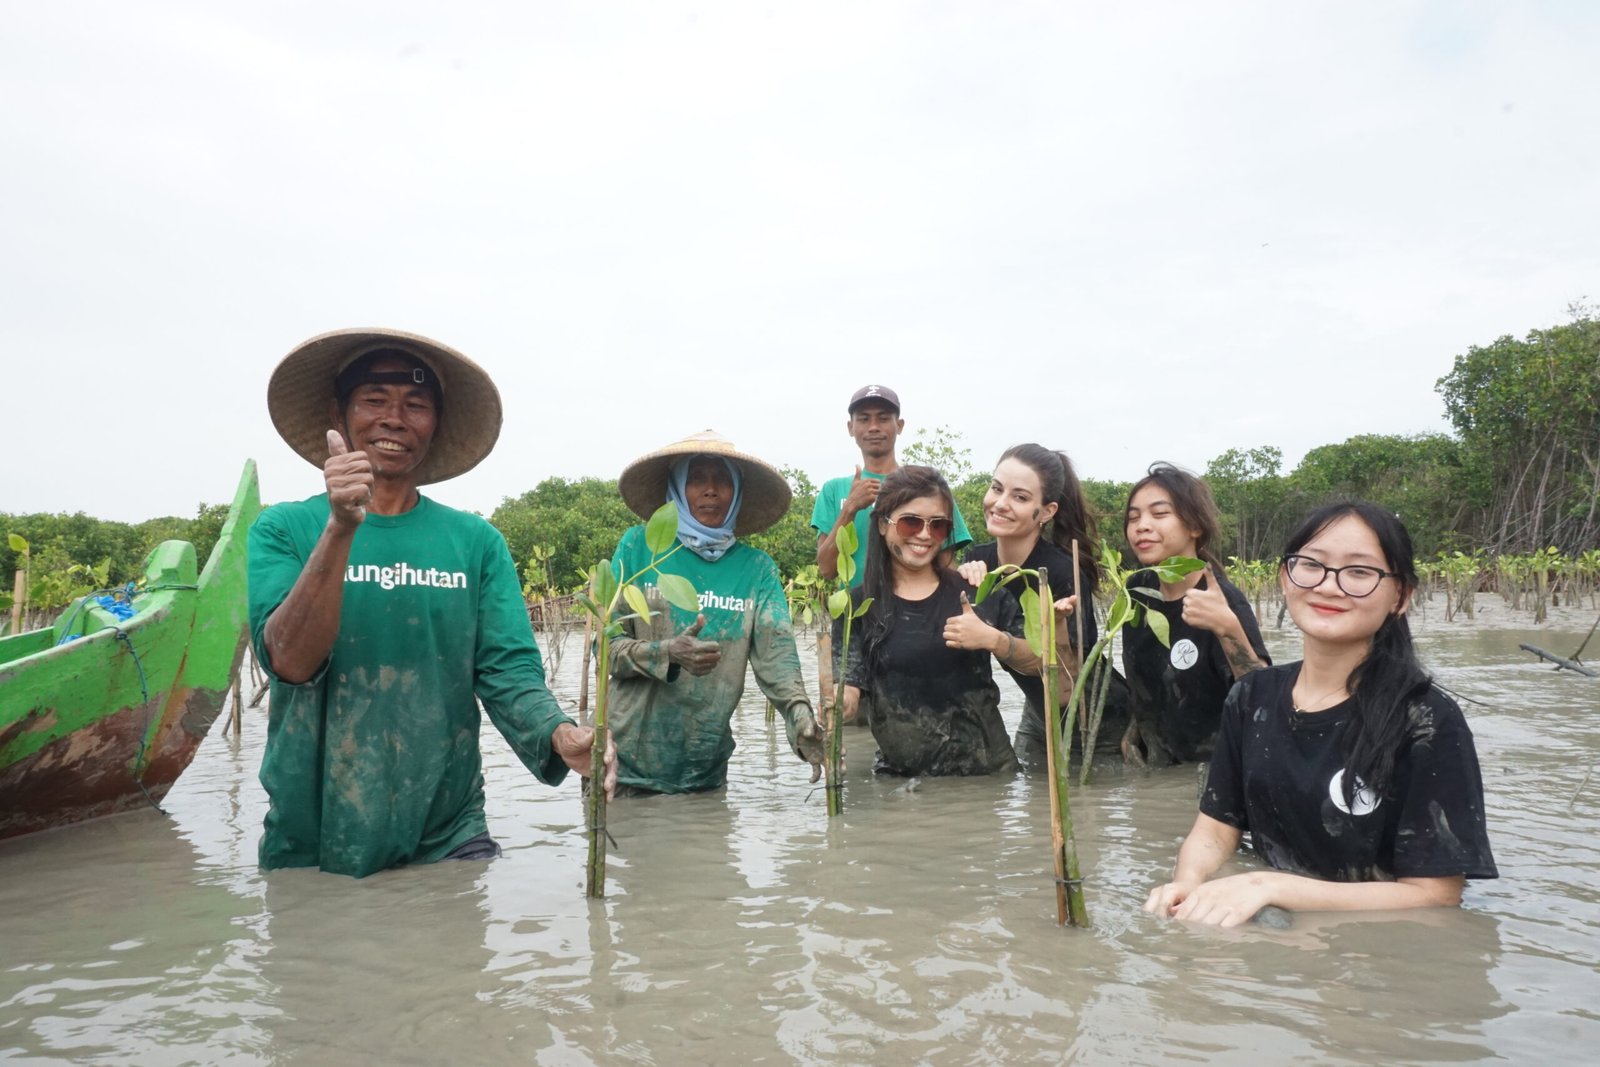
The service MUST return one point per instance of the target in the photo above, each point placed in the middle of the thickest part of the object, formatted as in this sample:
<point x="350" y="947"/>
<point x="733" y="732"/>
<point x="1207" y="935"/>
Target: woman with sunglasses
<point x="1356" y="776"/>
<point x="920" y="657"/>
<point x="1176" y="688"/>
<point x="1035" y="509"/>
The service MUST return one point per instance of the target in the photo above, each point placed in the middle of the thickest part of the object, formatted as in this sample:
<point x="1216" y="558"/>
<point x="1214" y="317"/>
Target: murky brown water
<point x="742" y="928"/>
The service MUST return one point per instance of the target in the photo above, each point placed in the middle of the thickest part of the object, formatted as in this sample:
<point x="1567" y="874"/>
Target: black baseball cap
<point x="880" y="393"/>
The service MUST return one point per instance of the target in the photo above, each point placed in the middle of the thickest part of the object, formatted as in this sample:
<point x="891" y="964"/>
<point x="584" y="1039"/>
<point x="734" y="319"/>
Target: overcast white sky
<point x="1134" y="231"/>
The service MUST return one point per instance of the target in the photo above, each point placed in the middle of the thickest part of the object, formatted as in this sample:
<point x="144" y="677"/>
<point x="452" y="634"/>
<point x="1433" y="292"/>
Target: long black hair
<point x="1192" y="500"/>
<point x="877" y="580"/>
<point x="1075" y="519"/>
<point x="1385" y="684"/>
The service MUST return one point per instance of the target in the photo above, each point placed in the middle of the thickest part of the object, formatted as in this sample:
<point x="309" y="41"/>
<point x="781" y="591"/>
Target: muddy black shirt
<point x="934" y="710"/>
<point x="1177" y="691"/>
<point x="1063" y="582"/>
<point x="1279" y="774"/>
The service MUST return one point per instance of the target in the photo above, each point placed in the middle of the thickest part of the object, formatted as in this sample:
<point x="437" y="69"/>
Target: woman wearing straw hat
<point x="382" y="617"/>
<point x="677" y="678"/>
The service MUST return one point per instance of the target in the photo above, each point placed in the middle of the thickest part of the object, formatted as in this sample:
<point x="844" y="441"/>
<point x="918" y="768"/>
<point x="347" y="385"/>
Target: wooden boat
<point x="100" y="714"/>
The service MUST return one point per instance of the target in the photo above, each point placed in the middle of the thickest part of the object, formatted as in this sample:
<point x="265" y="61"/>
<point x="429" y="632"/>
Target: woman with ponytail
<point x="1356" y="776"/>
<point x="1035" y="509"/>
<point x="1176" y="688"/>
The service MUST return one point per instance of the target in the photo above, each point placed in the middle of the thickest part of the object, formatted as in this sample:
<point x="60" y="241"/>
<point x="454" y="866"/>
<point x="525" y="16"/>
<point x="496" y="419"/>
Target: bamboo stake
<point x="583" y="675"/>
<point x="1077" y="618"/>
<point x="19" y="597"/>
<point x="1070" y="905"/>
<point x="596" y="869"/>
<point x="236" y="719"/>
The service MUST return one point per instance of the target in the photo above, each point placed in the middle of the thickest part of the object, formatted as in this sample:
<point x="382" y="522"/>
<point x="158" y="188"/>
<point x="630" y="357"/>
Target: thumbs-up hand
<point x="863" y="494"/>
<point x="348" y="476"/>
<point x="967" y="631"/>
<point x="692" y="654"/>
<point x="1207" y="609"/>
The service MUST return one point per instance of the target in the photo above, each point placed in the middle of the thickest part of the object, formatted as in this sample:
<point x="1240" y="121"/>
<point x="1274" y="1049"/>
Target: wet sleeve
<point x="640" y="651"/>
<point x="774" y="657"/>
<point x="508" y="672"/>
<point x="1441" y="829"/>
<point x="276" y="561"/>
<point x="1223" y="798"/>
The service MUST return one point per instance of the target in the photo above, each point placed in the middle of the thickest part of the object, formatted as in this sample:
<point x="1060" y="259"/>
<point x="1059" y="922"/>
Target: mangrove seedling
<point x="609" y="592"/>
<point x="846" y="541"/>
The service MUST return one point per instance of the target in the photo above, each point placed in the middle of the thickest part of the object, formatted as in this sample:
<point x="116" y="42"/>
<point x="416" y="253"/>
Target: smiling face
<point x="1329" y="615"/>
<point x="1154" y="529"/>
<point x="874" y="427"/>
<point x="1014" y="505"/>
<point x="708" y="490"/>
<point x="393" y="424"/>
<point x="917" y="551"/>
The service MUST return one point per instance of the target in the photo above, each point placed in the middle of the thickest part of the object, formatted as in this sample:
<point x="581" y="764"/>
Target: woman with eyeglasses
<point x="1035" y="509"/>
<point x="920" y="658"/>
<point x="1356" y="777"/>
<point x="1176" y="689"/>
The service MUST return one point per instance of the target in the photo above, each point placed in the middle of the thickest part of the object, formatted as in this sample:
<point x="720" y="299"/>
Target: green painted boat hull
<point x="89" y="727"/>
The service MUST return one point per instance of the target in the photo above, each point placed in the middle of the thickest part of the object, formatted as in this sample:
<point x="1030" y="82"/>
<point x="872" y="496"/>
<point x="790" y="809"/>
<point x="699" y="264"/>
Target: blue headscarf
<point x="707" y="542"/>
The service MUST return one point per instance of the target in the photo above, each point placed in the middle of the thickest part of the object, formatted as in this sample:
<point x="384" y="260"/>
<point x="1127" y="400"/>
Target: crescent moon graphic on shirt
<point x="1184" y="654"/>
<point x="1366" y="801"/>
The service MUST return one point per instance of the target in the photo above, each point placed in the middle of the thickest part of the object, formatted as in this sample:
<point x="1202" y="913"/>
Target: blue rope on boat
<point x="144" y="740"/>
<point x="118" y="600"/>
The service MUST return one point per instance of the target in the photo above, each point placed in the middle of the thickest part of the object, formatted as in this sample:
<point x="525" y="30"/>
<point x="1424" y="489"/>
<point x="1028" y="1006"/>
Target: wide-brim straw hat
<point x="766" y="493"/>
<point x="301" y="395"/>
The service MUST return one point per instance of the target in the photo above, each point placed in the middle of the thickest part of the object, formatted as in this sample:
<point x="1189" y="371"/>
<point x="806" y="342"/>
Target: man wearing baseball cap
<point x="383" y="617"/>
<point x="874" y="425"/>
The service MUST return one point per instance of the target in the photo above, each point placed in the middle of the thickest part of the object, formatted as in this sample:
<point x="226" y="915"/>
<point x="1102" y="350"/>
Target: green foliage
<point x="969" y="496"/>
<point x="1528" y="414"/>
<point x="575" y="521"/>
<point x="791" y="542"/>
<point x="942" y="450"/>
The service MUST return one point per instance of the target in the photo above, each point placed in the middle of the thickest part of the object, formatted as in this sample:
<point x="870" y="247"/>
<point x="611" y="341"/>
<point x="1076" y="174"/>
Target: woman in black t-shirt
<point x="1356" y="777"/>
<point x="920" y="656"/>
<point x="1176" y="689"/>
<point x="1035" y="509"/>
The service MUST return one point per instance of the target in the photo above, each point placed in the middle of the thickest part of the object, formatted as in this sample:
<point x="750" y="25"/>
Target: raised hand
<point x="1207" y="609"/>
<point x="692" y="654"/>
<point x="973" y="571"/>
<point x="863" y="494"/>
<point x="967" y="631"/>
<point x="349" y="479"/>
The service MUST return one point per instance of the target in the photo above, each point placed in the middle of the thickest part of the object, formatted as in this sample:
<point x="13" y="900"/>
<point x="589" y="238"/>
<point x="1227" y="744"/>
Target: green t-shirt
<point x="374" y="762"/>
<point x="830" y="500"/>
<point x="672" y="728"/>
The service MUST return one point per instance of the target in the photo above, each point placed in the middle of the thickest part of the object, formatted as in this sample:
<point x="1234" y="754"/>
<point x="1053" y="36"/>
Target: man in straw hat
<point x="677" y="678"/>
<point x="382" y="617"/>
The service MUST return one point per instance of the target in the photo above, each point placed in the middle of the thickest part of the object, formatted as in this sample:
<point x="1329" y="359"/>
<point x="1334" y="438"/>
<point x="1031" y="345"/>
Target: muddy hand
<point x="692" y="654"/>
<point x="575" y="746"/>
<point x="808" y="741"/>
<point x="348" y="476"/>
<point x="967" y="631"/>
<point x="973" y="571"/>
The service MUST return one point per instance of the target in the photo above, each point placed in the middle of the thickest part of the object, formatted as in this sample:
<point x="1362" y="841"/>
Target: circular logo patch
<point x="1184" y="654"/>
<point x="1366" y="801"/>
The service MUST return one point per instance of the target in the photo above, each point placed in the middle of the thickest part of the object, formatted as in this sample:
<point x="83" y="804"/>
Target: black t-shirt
<point x="933" y="709"/>
<point x="1063" y="582"/>
<point x="1177" y="691"/>
<point x="1279" y="774"/>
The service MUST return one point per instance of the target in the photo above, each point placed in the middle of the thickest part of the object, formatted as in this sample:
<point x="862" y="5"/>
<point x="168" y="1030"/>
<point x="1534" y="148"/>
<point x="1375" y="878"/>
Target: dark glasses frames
<point x="1356" y="581"/>
<point x="911" y="525"/>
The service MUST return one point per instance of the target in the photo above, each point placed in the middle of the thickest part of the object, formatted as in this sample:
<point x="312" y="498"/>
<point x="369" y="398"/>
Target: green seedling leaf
<point x="986" y="586"/>
<point x="604" y="584"/>
<point x="1146" y="591"/>
<point x="839" y="602"/>
<point x="806" y="615"/>
<point x="614" y="630"/>
<point x="635" y="598"/>
<point x="1121" y="611"/>
<point x="1160" y="627"/>
<point x="678" y="591"/>
<point x="1176" y="568"/>
<point x="862" y="610"/>
<point x="1032" y="632"/>
<point x="847" y="540"/>
<point x="588" y="605"/>
<point x="662" y="529"/>
<point x="18" y="543"/>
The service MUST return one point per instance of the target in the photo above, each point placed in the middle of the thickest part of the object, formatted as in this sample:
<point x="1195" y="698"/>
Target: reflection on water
<point x="743" y="928"/>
